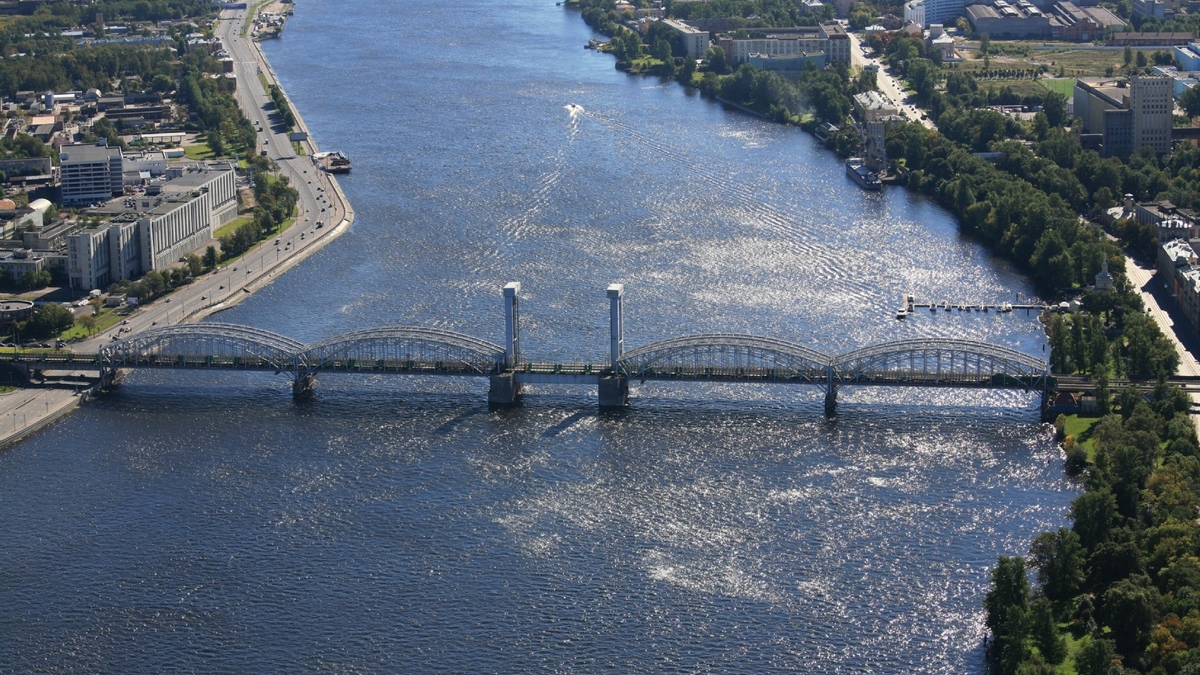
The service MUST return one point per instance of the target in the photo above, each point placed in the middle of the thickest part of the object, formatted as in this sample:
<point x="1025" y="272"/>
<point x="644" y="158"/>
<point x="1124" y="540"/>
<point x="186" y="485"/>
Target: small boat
<point x="1006" y="307"/>
<point x="902" y="313"/>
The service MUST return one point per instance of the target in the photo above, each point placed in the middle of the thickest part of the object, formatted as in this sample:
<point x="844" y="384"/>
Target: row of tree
<point x="275" y="201"/>
<point x="282" y="107"/>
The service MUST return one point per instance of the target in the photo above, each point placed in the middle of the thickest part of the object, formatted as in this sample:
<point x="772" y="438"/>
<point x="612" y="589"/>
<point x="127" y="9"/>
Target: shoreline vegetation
<point x="1119" y="590"/>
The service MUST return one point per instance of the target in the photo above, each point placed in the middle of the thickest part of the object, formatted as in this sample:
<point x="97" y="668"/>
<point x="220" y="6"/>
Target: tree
<point x="50" y="320"/>
<point x="1045" y="632"/>
<point x="1007" y="605"/>
<point x="985" y="44"/>
<point x="1054" y="105"/>
<point x="195" y="264"/>
<point x="1128" y="56"/>
<point x="1095" y="657"/>
<point x="33" y="280"/>
<point x="1102" y="393"/>
<point x="88" y="321"/>
<point x="1093" y="513"/>
<point x="1141" y="59"/>
<point x="210" y="257"/>
<point x="716" y="61"/>
<point x="1131" y="609"/>
<point x="1190" y="101"/>
<point x="687" y="71"/>
<point x="1060" y="562"/>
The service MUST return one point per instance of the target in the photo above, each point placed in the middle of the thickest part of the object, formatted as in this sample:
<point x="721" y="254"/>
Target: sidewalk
<point x="24" y="411"/>
<point x="1143" y="280"/>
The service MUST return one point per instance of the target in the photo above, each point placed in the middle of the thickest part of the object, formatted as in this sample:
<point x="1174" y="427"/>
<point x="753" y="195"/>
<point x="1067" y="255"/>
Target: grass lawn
<point x="270" y="237"/>
<point x="1081" y="429"/>
<point x="198" y="151"/>
<point x="107" y="318"/>
<point x="1064" y="86"/>
<point x="1019" y="87"/>
<point x="228" y="228"/>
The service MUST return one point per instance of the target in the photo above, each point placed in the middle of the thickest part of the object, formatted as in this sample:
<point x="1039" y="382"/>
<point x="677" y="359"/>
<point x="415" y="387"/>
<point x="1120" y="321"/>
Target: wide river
<point x="206" y="523"/>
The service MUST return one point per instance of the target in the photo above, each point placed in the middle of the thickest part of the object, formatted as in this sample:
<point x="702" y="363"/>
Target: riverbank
<point x="224" y="288"/>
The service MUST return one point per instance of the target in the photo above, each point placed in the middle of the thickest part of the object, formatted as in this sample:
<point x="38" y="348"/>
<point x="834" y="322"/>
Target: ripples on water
<point x="202" y="522"/>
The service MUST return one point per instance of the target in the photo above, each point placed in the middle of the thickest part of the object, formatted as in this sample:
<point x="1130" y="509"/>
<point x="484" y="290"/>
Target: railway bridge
<point x="708" y="357"/>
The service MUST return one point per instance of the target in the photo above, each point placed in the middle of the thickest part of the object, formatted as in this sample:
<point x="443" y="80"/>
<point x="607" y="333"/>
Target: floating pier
<point x="910" y="305"/>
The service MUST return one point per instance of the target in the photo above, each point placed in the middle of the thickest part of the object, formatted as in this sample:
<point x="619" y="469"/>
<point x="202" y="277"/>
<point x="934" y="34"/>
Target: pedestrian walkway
<point x="24" y="411"/>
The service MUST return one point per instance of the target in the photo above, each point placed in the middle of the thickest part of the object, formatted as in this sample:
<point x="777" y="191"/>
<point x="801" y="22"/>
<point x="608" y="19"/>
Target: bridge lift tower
<point x="614" y="385"/>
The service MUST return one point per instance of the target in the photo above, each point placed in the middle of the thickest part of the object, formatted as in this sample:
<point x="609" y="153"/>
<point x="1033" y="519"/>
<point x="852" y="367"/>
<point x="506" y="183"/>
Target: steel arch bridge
<point x="203" y="345"/>
<point x="403" y="349"/>
<point x="940" y="362"/>
<point x="726" y="356"/>
<point x="731" y="357"/>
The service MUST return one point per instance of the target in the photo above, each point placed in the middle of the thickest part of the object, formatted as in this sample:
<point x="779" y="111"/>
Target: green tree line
<point x="1124" y="580"/>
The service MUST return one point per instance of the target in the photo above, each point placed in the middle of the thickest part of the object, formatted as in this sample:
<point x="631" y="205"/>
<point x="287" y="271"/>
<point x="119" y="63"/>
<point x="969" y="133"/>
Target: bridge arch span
<point x="939" y="361"/>
<point x="729" y="355"/>
<point x="200" y="344"/>
<point x="404" y="349"/>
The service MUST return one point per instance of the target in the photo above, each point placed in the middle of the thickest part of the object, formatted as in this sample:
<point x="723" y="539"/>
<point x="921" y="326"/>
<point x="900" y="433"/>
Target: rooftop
<point x="87" y="153"/>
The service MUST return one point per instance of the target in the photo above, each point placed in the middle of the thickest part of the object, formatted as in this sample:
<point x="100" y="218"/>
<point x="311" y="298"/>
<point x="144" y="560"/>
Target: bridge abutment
<point x="504" y="389"/>
<point x="614" y="391"/>
<point x="302" y="387"/>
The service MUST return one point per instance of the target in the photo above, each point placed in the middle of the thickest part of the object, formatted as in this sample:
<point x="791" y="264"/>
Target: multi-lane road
<point x="320" y="201"/>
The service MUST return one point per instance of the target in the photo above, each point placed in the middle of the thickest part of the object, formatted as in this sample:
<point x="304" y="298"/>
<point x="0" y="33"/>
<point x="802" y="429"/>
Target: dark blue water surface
<point x="207" y="523"/>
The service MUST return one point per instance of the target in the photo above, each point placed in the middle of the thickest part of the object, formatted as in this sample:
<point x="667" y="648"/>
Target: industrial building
<point x="1126" y="115"/>
<point x="1024" y="20"/>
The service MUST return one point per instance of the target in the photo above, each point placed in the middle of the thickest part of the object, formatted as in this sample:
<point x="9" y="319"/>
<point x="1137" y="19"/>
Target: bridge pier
<point x="504" y="389"/>
<point x="830" y="393"/>
<point x="614" y="391"/>
<point x="302" y="387"/>
<point x="831" y="403"/>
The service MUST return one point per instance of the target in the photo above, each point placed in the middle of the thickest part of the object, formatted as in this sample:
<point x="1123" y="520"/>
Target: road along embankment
<point x="27" y="410"/>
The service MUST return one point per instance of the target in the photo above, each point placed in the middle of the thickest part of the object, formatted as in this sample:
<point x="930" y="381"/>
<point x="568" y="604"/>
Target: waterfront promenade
<point x="321" y="200"/>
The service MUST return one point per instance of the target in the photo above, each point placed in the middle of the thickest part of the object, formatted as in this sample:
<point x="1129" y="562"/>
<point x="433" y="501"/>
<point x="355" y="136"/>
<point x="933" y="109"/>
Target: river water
<point x="199" y="522"/>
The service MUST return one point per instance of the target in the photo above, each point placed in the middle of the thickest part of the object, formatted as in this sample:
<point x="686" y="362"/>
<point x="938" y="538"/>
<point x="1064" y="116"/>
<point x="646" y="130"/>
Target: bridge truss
<point x="203" y="345"/>
<point x="940" y="362"/>
<point x="726" y="356"/>
<point x="404" y="349"/>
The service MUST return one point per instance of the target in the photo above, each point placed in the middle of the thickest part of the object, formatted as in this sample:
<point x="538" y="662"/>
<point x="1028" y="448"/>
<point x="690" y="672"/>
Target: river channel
<point x="206" y="523"/>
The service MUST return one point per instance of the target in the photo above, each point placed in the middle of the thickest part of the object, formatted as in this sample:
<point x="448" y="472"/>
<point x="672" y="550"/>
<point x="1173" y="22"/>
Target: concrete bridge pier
<point x="302" y="387"/>
<point x="830" y="396"/>
<point x="504" y="390"/>
<point x="614" y="391"/>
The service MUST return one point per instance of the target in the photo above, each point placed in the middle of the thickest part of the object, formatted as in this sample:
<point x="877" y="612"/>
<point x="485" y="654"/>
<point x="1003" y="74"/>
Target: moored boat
<point x="866" y="179"/>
